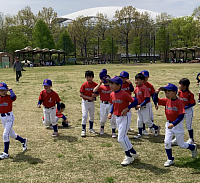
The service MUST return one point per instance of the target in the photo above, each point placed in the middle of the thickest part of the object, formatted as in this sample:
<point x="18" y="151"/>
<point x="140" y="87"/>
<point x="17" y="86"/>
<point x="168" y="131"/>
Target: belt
<point x="170" y="121"/>
<point x="105" y="102"/>
<point x="49" y="107"/>
<point x="88" y="100"/>
<point x="5" y="114"/>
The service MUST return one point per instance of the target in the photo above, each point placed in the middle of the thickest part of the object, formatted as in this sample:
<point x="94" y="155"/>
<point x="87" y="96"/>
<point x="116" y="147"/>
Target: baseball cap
<point x="169" y="86"/>
<point x="115" y="79"/>
<point x="16" y="57"/>
<point x="145" y="73"/>
<point x="124" y="74"/>
<point x="3" y="86"/>
<point x="47" y="82"/>
<point x="102" y="74"/>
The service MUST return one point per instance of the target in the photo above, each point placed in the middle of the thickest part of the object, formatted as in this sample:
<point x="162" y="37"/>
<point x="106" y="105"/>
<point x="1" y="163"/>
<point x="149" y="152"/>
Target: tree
<point x="109" y="45"/>
<point x="65" y="43"/>
<point x="42" y="36"/>
<point x="3" y="33"/>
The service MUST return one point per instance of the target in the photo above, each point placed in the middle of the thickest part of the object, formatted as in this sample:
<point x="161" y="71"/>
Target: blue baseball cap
<point x="3" y="86"/>
<point x="145" y="73"/>
<point x="169" y="86"/>
<point x="116" y="79"/>
<point x="104" y="70"/>
<point x="124" y="74"/>
<point x="47" y="82"/>
<point x="102" y="74"/>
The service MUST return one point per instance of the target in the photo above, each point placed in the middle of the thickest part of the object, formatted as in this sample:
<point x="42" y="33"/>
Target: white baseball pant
<point x="104" y="111"/>
<point x="178" y="131"/>
<point x="151" y="112"/>
<point x="8" y="122"/>
<point x="144" y="116"/>
<point x="123" y="125"/>
<point x="129" y="114"/>
<point x="189" y="116"/>
<point x="87" y="107"/>
<point x="49" y="116"/>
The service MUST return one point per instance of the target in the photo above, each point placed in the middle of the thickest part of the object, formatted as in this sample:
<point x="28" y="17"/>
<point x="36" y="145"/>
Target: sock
<point x="144" y="126"/>
<point x="128" y="153"/>
<point x="191" y="133"/>
<point x="20" y="139"/>
<point x="154" y="126"/>
<point x="6" y="146"/>
<point x="91" y="124"/>
<point x="102" y="127"/>
<point x="191" y="147"/>
<point x="55" y="128"/>
<point x="83" y="127"/>
<point x="169" y="154"/>
<point x="140" y="131"/>
<point x="132" y="151"/>
<point x="113" y="130"/>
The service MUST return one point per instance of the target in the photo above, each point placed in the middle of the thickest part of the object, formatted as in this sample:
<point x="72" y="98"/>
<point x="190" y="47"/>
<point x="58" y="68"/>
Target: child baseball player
<point x="198" y="80"/>
<point x="151" y="92"/>
<point x="86" y="92"/>
<point x="174" y="111"/>
<point x="7" y="119"/>
<point x="105" y="105"/>
<point x="187" y="97"/>
<point x="65" y="122"/>
<point x="49" y="99"/>
<point x="127" y="87"/>
<point x="120" y="101"/>
<point x="143" y="107"/>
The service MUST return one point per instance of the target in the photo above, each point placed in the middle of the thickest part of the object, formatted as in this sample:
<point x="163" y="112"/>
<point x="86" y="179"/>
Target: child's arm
<point x="177" y="121"/>
<point x="86" y="97"/>
<point x="130" y="85"/>
<point x="58" y="106"/>
<point x="111" y="112"/>
<point x="97" y="87"/>
<point x="133" y="104"/>
<point x="12" y="94"/>
<point x="39" y="103"/>
<point x="147" y="99"/>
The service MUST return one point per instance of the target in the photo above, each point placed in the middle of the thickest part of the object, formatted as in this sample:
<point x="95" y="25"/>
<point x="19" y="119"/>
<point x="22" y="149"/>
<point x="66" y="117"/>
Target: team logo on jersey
<point x="124" y="89"/>
<point x="89" y="89"/>
<point x="50" y="100"/>
<point x="172" y="108"/>
<point x="117" y="101"/>
<point x="139" y="93"/>
<point x="4" y="104"/>
<point x="149" y="89"/>
<point x="183" y="99"/>
<point x="103" y="91"/>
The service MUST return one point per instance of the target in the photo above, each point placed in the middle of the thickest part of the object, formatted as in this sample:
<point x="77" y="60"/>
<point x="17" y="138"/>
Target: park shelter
<point x="5" y="59"/>
<point x="22" y="54"/>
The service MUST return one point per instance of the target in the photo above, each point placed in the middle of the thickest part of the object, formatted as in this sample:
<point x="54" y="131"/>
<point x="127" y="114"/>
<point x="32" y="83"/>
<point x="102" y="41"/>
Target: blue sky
<point x="64" y="7"/>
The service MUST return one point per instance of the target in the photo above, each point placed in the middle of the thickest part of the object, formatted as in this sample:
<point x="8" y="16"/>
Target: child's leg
<point x="113" y="124"/>
<point x="46" y="112"/>
<point x="140" y="122"/>
<point x="84" y="113"/>
<point x="91" y="110"/>
<point x="52" y="118"/>
<point x="189" y="117"/>
<point x="180" y="140"/>
<point x="103" y="114"/>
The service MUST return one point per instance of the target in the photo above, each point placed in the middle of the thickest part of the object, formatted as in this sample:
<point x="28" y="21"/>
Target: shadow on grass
<point x="158" y="139"/>
<point x="188" y="162"/>
<point x="22" y="157"/>
<point x="69" y="139"/>
<point x="105" y="135"/>
<point x="149" y="167"/>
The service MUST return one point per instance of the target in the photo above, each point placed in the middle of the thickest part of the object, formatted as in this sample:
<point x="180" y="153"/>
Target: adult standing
<point x="18" y="67"/>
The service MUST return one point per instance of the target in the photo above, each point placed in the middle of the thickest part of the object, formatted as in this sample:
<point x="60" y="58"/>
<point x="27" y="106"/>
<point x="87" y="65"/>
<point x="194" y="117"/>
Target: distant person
<point x="18" y="68"/>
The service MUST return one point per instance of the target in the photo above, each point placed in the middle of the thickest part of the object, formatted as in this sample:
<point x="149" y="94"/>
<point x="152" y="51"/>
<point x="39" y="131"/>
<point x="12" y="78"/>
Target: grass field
<point x="94" y="159"/>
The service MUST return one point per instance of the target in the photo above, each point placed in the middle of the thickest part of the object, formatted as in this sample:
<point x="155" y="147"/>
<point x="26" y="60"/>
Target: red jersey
<point x="120" y="101"/>
<point x="173" y="108"/>
<point x="105" y="92"/>
<point x="150" y="88"/>
<point x="126" y="87"/>
<point x="6" y="104"/>
<point x="49" y="99"/>
<point x="186" y="97"/>
<point x="87" y="88"/>
<point x="141" y="93"/>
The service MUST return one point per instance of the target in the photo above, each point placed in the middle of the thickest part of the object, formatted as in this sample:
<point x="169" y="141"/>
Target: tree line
<point x="129" y="32"/>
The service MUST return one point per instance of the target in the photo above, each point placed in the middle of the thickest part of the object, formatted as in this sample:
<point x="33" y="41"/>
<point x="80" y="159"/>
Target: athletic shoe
<point x="198" y="101"/>
<point x="174" y="142"/>
<point x="4" y="155"/>
<point x="190" y="141"/>
<point x="134" y="155"/>
<point x="92" y="130"/>
<point x="64" y="124"/>
<point x="83" y="133"/>
<point x="168" y="163"/>
<point x="101" y="131"/>
<point x="157" y="131"/>
<point x="194" y="152"/>
<point x="24" y="145"/>
<point x="114" y="135"/>
<point x="127" y="160"/>
<point x="137" y="136"/>
<point x="55" y="134"/>
<point x="130" y="130"/>
<point x="144" y="132"/>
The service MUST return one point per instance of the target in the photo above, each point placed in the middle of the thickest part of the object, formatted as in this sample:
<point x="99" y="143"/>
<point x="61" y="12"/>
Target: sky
<point x="175" y="8"/>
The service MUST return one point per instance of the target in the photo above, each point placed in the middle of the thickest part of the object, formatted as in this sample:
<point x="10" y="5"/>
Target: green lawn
<point x="70" y="158"/>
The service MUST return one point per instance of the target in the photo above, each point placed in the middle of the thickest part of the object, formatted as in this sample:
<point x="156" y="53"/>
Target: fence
<point x="4" y="64"/>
